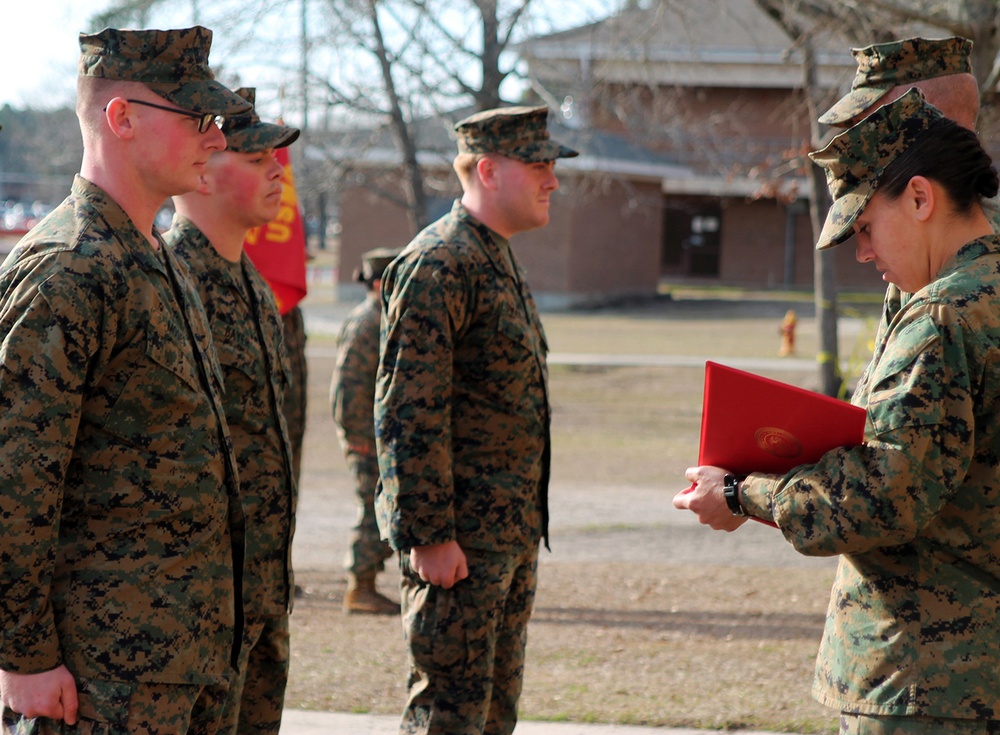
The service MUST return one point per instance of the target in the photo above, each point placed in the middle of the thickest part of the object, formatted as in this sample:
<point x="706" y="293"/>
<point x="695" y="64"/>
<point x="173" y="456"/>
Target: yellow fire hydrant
<point x="787" y="333"/>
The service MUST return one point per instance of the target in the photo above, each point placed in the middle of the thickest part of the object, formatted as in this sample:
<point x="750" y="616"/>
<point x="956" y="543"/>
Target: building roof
<point x="729" y="43"/>
<point x="600" y="151"/>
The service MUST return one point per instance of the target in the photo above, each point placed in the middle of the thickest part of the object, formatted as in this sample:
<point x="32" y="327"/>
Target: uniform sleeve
<point x="43" y="364"/>
<point x="424" y="301"/>
<point x="918" y="448"/>
<point x="353" y="389"/>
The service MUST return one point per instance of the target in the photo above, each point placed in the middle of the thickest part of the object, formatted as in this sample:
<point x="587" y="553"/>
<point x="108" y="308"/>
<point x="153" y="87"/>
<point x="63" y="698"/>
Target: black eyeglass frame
<point x="205" y="119"/>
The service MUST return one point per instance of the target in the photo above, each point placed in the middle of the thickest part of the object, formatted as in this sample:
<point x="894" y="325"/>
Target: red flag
<point x="278" y="249"/>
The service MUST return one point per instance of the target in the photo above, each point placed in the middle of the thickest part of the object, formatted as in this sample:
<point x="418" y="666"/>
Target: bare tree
<point x="432" y="57"/>
<point x="866" y="23"/>
<point x="390" y="64"/>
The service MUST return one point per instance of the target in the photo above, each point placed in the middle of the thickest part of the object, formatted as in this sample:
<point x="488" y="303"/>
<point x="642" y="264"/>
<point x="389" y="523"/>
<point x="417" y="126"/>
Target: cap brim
<point x="546" y="150"/>
<point x="839" y="224"/>
<point x="851" y="105"/>
<point x="260" y="136"/>
<point x="203" y="96"/>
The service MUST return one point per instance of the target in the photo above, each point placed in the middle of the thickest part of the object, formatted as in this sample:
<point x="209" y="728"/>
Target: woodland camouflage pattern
<point x="883" y="66"/>
<point x="352" y="396"/>
<point x="120" y="506"/>
<point x="173" y="64"/>
<point x="461" y="411"/>
<point x="516" y="132"/>
<point x="912" y="627"/>
<point x="247" y="332"/>
<point x="856" y="159"/>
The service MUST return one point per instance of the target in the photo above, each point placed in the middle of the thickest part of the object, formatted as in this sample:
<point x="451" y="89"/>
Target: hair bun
<point x="988" y="183"/>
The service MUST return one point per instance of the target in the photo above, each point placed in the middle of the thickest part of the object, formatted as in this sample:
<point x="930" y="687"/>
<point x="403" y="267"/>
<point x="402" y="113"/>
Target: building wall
<point x="605" y="238"/>
<point x="602" y="241"/>
<point x="367" y="221"/>
<point x="753" y="248"/>
<point x="616" y="235"/>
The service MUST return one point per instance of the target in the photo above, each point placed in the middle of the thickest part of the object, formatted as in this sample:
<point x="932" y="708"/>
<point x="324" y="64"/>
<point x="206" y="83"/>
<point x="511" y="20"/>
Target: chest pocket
<point x="516" y="329"/>
<point x="169" y="348"/>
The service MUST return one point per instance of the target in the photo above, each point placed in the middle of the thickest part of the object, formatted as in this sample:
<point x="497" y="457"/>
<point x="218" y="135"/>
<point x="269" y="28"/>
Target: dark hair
<point x="952" y="156"/>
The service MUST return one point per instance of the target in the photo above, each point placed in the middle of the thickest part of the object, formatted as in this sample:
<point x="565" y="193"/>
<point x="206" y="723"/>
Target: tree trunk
<point x="413" y="181"/>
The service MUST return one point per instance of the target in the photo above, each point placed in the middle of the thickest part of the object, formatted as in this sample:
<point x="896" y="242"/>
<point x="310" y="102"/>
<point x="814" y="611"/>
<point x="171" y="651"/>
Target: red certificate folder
<point x="750" y="423"/>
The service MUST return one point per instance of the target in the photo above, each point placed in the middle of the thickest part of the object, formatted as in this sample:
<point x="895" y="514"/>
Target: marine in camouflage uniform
<point x="912" y="639"/>
<point x="942" y="69"/>
<point x="462" y="430"/>
<point x="247" y="332"/>
<point x="122" y="527"/>
<point x="352" y="399"/>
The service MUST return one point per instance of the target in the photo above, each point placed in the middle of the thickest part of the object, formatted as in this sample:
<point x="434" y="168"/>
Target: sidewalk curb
<point x="310" y="722"/>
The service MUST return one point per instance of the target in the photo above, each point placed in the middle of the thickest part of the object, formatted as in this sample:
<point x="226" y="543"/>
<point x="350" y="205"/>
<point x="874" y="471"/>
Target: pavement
<point x="305" y="722"/>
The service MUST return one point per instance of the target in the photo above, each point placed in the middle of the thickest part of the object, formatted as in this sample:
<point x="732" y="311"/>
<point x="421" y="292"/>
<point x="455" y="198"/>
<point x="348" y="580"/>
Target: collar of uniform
<point x="94" y="203"/>
<point x="988" y="245"/>
<point x="494" y="245"/>
<point x="186" y="234"/>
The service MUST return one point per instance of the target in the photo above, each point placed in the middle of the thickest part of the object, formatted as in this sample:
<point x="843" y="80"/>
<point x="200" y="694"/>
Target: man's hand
<point x="706" y="500"/>
<point x="50" y="694"/>
<point x="440" y="564"/>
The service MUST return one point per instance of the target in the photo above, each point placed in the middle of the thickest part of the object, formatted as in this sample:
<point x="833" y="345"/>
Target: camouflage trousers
<point x="122" y="708"/>
<point x="257" y="695"/>
<point x="367" y="553"/>
<point x="853" y="724"/>
<point x="466" y="645"/>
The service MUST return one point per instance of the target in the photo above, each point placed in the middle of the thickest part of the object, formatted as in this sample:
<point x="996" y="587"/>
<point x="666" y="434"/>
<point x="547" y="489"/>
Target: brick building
<point x="691" y="127"/>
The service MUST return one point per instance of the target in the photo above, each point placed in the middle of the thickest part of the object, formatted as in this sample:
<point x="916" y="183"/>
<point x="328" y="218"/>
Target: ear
<point x="488" y="173"/>
<point x="119" y="121"/>
<point x="920" y="195"/>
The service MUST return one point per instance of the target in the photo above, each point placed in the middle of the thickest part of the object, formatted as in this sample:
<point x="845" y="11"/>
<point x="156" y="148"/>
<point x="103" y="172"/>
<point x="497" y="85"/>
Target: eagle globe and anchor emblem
<point x="777" y="442"/>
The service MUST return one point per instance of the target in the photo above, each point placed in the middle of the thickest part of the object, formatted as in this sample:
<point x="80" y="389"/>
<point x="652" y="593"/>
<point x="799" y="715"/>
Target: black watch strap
<point x="731" y="490"/>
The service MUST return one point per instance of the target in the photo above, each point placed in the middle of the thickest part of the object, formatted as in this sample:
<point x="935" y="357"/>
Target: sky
<point x="41" y="46"/>
<point x="40" y="49"/>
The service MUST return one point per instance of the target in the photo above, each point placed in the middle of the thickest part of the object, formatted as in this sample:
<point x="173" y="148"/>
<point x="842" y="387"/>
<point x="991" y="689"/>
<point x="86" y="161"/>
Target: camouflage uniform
<point x="120" y="499"/>
<point x="294" y="332"/>
<point x="462" y="433"/>
<point x="912" y="628"/>
<point x="352" y="396"/>
<point x="247" y="332"/>
<point x="124" y="531"/>
<point x="464" y="351"/>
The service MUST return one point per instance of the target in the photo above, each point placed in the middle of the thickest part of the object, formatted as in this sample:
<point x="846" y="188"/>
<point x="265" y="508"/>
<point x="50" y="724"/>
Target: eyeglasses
<point x="205" y="119"/>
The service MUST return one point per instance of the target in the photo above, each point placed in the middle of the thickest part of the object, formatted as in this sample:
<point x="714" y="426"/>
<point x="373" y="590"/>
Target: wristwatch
<point x="731" y="490"/>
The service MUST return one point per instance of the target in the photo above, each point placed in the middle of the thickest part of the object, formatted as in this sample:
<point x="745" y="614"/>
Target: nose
<point x="552" y="181"/>
<point x="215" y="139"/>
<point x="276" y="169"/>
<point x="863" y="253"/>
